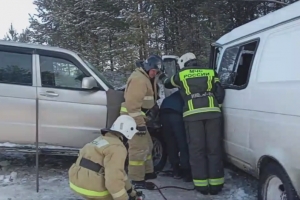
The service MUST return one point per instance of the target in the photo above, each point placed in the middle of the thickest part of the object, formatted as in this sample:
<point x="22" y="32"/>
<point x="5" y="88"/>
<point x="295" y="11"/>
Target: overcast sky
<point x="15" y="12"/>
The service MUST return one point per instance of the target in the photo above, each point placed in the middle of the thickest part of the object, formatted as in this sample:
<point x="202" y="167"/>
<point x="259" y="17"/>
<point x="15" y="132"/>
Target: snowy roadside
<point x="17" y="182"/>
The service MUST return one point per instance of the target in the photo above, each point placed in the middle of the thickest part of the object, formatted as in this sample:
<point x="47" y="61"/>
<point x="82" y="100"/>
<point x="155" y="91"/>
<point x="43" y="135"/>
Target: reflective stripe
<point x="211" y="102"/>
<point x="186" y="87"/>
<point x="209" y="85"/>
<point x="123" y="109"/>
<point x="136" y="163"/>
<point x="200" y="183"/>
<point x="149" y="98"/>
<point x="135" y="114"/>
<point x="149" y="157"/>
<point x="172" y="82"/>
<point x="190" y="104"/>
<point x="216" y="80"/>
<point x="201" y="110"/>
<point x="88" y="192"/>
<point x="119" y="194"/>
<point x="216" y="181"/>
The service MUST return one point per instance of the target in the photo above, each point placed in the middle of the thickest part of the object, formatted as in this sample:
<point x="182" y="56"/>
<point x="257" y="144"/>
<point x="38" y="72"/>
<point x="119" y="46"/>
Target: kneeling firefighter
<point x="202" y="93"/>
<point x="140" y="96"/>
<point x="99" y="170"/>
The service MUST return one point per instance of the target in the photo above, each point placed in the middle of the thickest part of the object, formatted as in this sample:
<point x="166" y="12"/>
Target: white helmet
<point x="185" y="58"/>
<point x="126" y="125"/>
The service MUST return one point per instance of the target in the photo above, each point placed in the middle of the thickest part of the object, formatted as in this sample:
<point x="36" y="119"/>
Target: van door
<point x="234" y="73"/>
<point x="17" y="95"/>
<point x="68" y="115"/>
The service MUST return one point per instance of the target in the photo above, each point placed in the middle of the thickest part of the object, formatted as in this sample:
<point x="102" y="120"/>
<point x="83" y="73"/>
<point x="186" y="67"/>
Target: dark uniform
<point x="202" y="94"/>
<point x="175" y="136"/>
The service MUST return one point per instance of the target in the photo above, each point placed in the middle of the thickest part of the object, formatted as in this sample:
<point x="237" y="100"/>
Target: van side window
<point x="235" y="66"/>
<point x="15" y="68"/>
<point x="60" y="73"/>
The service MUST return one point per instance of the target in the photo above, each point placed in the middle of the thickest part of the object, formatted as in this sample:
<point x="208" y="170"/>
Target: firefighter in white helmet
<point x="99" y="170"/>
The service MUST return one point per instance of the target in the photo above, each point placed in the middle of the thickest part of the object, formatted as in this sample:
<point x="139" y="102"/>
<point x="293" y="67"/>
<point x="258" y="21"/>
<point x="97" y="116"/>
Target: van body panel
<point x="263" y="119"/>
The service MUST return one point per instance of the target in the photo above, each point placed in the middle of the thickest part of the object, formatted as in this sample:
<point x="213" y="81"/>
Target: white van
<point x="258" y="64"/>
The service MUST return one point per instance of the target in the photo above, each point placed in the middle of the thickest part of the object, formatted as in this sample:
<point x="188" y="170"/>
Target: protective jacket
<point x="201" y="91"/>
<point x="140" y="95"/>
<point x="99" y="169"/>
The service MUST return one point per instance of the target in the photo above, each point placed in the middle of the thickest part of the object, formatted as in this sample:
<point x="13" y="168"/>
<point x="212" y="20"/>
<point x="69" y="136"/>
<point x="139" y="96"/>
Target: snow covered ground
<point x="17" y="182"/>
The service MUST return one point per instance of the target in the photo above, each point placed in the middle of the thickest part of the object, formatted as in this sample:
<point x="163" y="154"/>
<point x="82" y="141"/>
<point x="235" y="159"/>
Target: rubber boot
<point x="143" y="185"/>
<point x="202" y="190"/>
<point x="187" y="175"/>
<point x="214" y="190"/>
<point x="150" y="176"/>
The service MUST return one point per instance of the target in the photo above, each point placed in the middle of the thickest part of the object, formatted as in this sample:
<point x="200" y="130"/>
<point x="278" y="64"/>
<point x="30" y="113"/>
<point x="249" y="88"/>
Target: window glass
<point x="15" y="68"/>
<point x="170" y="66"/>
<point x="57" y="72"/>
<point x="235" y="66"/>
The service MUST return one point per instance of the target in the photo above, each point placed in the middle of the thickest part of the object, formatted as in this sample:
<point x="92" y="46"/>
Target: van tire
<point x="271" y="172"/>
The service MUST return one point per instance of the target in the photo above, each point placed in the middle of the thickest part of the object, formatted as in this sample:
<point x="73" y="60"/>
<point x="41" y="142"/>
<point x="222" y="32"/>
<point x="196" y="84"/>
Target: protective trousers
<point x="175" y="137"/>
<point x="140" y="157"/>
<point x="205" y="146"/>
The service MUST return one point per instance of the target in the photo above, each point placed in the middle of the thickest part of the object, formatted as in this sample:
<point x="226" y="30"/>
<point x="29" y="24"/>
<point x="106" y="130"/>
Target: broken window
<point x="235" y="66"/>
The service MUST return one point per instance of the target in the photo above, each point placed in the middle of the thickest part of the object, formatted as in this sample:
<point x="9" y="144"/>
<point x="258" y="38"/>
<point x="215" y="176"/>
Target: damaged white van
<point x="258" y="64"/>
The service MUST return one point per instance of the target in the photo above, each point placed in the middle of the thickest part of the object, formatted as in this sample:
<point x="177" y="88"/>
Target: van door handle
<point x="49" y="94"/>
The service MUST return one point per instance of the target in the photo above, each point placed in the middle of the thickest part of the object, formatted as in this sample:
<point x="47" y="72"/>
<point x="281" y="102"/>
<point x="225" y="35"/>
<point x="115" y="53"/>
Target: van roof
<point x="282" y="15"/>
<point x="35" y="46"/>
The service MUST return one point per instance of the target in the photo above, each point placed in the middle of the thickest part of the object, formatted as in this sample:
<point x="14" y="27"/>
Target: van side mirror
<point x="89" y="83"/>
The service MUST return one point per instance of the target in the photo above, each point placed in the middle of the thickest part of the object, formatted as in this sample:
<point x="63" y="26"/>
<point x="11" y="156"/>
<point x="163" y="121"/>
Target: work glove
<point x="138" y="195"/>
<point x="142" y="130"/>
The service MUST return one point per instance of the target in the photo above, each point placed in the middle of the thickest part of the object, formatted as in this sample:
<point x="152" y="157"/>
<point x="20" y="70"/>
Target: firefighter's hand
<point x="162" y="76"/>
<point x="132" y="193"/>
<point x="142" y="130"/>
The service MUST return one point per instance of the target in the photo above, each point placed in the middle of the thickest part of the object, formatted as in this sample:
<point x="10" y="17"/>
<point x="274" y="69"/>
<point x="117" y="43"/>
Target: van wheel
<point x="275" y="184"/>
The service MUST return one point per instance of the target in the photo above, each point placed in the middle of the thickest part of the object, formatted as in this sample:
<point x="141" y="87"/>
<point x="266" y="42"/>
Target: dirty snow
<point x="12" y="145"/>
<point x="17" y="182"/>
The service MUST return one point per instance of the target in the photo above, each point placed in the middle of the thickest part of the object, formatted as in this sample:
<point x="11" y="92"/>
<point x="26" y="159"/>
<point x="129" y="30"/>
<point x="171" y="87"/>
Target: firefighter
<point x="202" y="94"/>
<point x="140" y="96"/>
<point x="175" y="136"/>
<point x="99" y="170"/>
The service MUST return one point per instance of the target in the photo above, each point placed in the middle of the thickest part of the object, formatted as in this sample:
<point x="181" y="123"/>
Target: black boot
<point x="140" y="185"/>
<point x="150" y="176"/>
<point x="214" y="190"/>
<point x="187" y="175"/>
<point x="202" y="190"/>
<point x="177" y="173"/>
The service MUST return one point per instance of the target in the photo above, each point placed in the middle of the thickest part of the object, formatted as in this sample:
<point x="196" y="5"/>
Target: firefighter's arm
<point x="172" y="82"/>
<point x="114" y="161"/>
<point x="219" y="90"/>
<point x="134" y="97"/>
